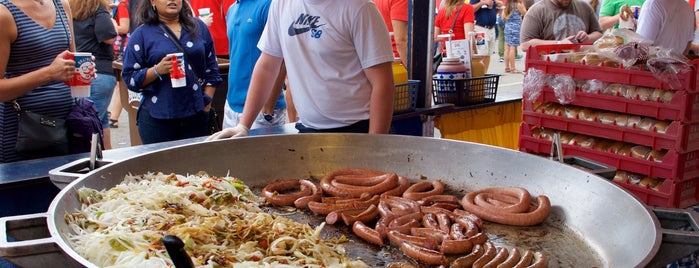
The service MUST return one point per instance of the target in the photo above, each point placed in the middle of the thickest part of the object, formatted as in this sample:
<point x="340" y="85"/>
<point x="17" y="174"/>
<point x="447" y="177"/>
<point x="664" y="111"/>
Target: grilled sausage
<point x="281" y="193"/>
<point x="367" y="233"/>
<point x="316" y="194"/>
<point x="468" y="260"/>
<point x="540" y="260"/>
<point x="509" y="199"/>
<point x="398" y="238"/>
<point x="430" y="233"/>
<point x="498" y="259"/>
<point x="511" y="260"/>
<point x="488" y="255"/>
<point x="525" y="260"/>
<point x="403" y="184"/>
<point x="528" y="218"/>
<point x="365" y="216"/>
<point x="456" y="246"/>
<point x="424" y="189"/>
<point x="423" y="255"/>
<point x="387" y="182"/>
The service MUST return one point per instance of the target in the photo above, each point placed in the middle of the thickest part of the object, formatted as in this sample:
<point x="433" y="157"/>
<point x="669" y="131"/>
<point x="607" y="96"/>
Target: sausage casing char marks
<point x="426" y="224"/>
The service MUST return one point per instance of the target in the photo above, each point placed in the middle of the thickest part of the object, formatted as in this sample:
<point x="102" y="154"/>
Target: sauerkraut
<point x="218" y="218"/>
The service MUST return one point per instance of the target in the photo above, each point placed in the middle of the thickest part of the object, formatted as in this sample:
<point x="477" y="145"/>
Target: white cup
<point x="203" y="12"/>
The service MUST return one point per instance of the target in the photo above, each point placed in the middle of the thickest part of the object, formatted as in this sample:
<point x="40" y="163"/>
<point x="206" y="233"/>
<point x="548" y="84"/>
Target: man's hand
<point x="237" y="131"/>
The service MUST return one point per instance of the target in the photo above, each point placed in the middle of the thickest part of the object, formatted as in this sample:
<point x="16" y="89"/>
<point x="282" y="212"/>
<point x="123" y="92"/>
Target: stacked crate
<point x="677" y="170"/>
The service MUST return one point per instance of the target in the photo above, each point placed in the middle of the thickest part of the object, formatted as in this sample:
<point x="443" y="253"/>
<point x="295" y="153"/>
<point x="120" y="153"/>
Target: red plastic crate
<point x="675" y="166"/>
<point x="602" y="73"/>
<point x="672" y="194"/>
<point x="683" y="107"/>
<point x="678" y="136"/>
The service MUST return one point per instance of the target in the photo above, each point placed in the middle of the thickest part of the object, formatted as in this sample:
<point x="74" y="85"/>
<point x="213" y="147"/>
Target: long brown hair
<point x="594" y="4"/>
<point x="452" y="5"/>
<point x="510" y="6"/>
<point x="83" y="9"/>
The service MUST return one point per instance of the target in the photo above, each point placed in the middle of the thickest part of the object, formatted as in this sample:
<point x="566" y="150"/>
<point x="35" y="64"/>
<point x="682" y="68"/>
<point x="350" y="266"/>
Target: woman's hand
<point x="164" y="66"/>
<point x="62" y="68"/>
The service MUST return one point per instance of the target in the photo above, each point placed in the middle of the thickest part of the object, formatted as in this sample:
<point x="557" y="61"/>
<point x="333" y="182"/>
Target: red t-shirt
<point x="444" y="24"/>
<point x="393" y="10"/>
<point x="122" y="11"/>
<point x="218" y="26"/>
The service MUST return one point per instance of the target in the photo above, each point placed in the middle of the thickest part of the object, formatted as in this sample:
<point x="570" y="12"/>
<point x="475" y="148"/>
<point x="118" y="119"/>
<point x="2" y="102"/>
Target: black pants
<point x="359" y="127"/>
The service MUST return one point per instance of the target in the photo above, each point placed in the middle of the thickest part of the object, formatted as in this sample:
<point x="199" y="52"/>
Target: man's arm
<point x="261" y="85"/>
<point x="608" y="21"/>
<point x="400" y="34"/>
<point x="382" y="94"/>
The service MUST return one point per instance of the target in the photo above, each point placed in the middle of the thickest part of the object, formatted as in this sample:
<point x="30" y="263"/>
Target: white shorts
<point x="232" y="118"/>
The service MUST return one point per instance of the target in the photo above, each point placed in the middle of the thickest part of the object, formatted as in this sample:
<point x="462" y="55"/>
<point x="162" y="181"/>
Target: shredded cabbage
<point x="218" y="218"/>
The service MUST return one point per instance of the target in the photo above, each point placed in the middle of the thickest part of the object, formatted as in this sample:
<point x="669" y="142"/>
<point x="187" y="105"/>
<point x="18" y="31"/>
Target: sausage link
<point x="535" y="217"/>
<point x="511" y="260"/>
<point x="466" y="223"/>
<point x="280" y="192"/>
<point x="404" y="228"/>
<point x="360" y="177"/>
<point x="440" y="198"/>
<point x="511" y="199"/>
<point x="525" y="260"/>
<point x="403" y="184"/>
<point x="331" y="190"/>
<point x="478" y="239"/>
<point x="434" y="234"/>
<point x="423" y="255"/>
<point x="382" y="224"/>
<point x="327" y="208"/>
<point x="475" y="219"/>
<point x="498" y="259"/>
<point x="398" y="238"/>
<point x="424" y="189"/>
<point x="456" y="232"/>
<point x="429" y="220"/>
<point x="367" y="233"/>
<point x="388" y="182"/>
<point x="456" y="246"/>
<point x="488" y="255"/>
<point x="540" y="260"/>
<point x="398" y="205"/>
<point x="447" y="206"/>
<point x="468" y="260"/>
<point x="365" y="216"/>
<point x="316" y="194"/>
<point x="444" y="222"/>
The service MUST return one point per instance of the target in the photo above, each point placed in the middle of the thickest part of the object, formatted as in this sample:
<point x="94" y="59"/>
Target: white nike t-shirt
<point x="326" y="45"/>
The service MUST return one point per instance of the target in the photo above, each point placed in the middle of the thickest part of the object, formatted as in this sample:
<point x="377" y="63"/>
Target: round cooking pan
<point x="592" y="223"/>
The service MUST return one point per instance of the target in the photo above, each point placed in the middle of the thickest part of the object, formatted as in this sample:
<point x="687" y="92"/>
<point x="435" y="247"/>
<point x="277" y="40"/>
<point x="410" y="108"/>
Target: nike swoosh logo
<point x="294" y="31"/>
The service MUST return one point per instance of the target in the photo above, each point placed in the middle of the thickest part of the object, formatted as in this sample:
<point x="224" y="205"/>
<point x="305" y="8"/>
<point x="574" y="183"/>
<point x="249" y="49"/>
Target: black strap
<point x="456" y="16"/>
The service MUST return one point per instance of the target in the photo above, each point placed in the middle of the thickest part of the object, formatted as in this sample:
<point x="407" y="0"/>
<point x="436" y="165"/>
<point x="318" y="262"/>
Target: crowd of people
<point x="273" y="52"/>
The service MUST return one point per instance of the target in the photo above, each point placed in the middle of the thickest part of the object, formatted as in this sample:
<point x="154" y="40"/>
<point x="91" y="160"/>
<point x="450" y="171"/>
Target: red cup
<point x="84" y="72"/>
<point x="178" y="77"/>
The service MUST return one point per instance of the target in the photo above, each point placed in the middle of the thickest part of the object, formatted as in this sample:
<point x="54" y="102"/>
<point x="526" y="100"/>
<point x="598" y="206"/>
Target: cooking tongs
<point x="556" y="149"/>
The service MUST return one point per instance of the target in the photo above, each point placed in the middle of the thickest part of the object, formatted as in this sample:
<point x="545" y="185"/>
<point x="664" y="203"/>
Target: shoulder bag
<point x="40" y="136"/>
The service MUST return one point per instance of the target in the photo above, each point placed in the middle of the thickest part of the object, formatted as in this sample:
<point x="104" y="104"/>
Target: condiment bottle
<point x="400" y="74"/>
<point x="477" y="66"/>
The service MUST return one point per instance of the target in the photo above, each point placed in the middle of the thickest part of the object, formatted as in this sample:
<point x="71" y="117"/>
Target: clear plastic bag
<point x="563" y="87"/>
<point x="593" y="86"/>
<point x="667" y="66"/>
<point x="534" y="82"/>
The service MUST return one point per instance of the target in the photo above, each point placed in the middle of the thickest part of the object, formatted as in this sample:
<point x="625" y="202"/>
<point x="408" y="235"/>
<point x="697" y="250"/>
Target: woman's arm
<point x="60" y="69"/>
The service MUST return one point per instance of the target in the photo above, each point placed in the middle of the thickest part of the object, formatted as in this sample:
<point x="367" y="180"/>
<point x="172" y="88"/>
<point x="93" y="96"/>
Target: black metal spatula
<point x="175" y="248"/>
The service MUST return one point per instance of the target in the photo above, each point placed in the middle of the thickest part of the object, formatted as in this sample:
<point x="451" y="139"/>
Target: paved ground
<point x="508" y="83"/>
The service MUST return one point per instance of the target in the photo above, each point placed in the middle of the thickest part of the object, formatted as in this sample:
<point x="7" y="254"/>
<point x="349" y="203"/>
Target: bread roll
<point x="606" y="118"/>
<point x="656" y="155"/>
<point x="634" y="178"/>
<point x="567" y="138"/>
<point x="646" y="123"/>
<point x="661" y="126"/>
<point x="643" y="93"/>
<point x="611" y="63"/>
<point x="629" y="92"/>
<point x="625" y="150"/>
<point x="633" y="121"/>
<point x="588" y="114"/>
<point x="572" y="112"/>
<point x="541" y="107"/>
<point x="640" y="152"/>
<point x="603" y="145"/>
<point x="621" y="120"/>
<point x="616" y="147"/>
<point x="655" y="95"/>
<point x="582" y="141"/>
<point x="577" y="58"/>
<point x="613" y="90"/>
<point x="592" y="59"/>
<point x="667" y="96"/>
<point x="621" y="176"/>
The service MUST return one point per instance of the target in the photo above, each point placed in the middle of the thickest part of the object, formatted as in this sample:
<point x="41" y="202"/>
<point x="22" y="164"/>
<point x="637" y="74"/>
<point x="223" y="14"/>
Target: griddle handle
<point x="175" y="248"/>
<point x="675" y="243"/>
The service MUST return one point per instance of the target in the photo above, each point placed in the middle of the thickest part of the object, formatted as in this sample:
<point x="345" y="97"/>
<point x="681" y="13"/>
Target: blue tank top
<point x="34" y="48"/>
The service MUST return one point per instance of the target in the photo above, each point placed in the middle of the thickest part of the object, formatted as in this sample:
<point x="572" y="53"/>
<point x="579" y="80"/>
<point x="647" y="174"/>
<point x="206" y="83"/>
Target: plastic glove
<point x="237" y="131"/>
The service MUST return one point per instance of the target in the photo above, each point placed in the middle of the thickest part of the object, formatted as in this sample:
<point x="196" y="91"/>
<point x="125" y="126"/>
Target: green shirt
<point x="611" y="7"/>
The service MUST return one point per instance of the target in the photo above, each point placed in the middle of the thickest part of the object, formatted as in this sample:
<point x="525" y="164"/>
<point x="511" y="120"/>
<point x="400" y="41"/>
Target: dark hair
<point x="150" y="16"/>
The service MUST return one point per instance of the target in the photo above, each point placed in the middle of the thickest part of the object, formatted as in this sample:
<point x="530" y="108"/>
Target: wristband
<point x="155" y="71"/>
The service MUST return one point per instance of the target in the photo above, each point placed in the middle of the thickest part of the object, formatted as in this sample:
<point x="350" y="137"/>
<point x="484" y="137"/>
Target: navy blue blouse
<point x="147" y="46"/>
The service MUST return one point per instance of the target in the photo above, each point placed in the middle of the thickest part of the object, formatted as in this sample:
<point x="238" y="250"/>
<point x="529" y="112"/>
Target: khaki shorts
<point x="489" y="38"/>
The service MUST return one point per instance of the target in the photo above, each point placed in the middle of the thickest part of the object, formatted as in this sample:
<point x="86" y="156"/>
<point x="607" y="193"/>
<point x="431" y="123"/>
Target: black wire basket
<point x="464" y="92"/>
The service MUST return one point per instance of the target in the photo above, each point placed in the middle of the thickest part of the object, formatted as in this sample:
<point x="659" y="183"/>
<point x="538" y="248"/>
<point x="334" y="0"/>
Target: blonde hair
<point x="452" y="5"/>
<point x="83" y="9"/>
<point x="509" y="9"/>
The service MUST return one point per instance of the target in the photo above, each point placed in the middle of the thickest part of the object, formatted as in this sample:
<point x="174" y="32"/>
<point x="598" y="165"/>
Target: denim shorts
<point x="101" y="90"/>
